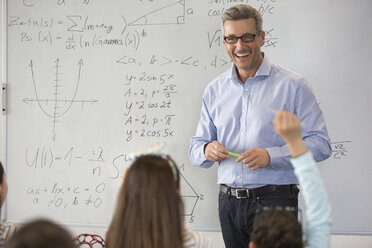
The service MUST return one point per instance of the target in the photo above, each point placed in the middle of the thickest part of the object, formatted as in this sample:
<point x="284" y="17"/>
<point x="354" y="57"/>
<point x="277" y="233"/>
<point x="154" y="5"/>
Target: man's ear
<point x="251" y="245"/>
<point x="262" y="38"/>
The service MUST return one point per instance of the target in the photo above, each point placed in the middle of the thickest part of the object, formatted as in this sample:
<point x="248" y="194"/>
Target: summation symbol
<point x="56" y="105"/>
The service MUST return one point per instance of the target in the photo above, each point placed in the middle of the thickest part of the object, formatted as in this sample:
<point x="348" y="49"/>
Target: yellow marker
<point x="233" y="154"/>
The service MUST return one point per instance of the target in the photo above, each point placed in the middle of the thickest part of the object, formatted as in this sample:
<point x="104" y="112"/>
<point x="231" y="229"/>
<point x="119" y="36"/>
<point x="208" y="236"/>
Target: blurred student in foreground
<point x="149" y="208"/>
<point x="279" y="229"/>
<point x="41" y="234"/>
<point x="6" y="229"/>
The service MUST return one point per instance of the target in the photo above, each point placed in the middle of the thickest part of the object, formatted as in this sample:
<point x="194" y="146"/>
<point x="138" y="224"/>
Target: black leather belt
<point x="246" y="193"/>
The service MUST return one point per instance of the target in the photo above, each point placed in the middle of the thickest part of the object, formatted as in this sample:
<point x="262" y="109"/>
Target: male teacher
<point x="236" y="116"/>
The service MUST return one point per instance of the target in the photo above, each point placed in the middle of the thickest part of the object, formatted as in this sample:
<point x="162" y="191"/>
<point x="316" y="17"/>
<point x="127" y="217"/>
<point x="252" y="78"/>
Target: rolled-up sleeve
<point x="313" y="128"/>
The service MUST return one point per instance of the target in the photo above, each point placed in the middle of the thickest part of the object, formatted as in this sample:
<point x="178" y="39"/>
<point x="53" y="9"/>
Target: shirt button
<point x="242" y="133"/>
<point x="238" y="177"/>
<point x="246" y="89"/>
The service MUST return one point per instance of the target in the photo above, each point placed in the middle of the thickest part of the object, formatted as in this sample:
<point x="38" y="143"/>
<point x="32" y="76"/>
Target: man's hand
<point x="255" y="158"/>
<point x="215" y="151"/>
<point x="288" y="127"/>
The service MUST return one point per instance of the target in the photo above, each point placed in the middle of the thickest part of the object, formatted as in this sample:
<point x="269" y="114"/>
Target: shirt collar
<point x="265" y="67"/>
<point x="263" y="70"/>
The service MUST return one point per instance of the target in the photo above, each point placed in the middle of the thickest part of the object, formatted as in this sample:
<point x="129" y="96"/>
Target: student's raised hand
<point x="288" y="127"/>
<point x="215" y="151"/>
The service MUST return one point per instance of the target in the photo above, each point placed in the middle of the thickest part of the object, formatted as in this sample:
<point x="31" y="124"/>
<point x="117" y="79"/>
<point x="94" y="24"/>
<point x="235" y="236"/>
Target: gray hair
<point x="240" y="12"/>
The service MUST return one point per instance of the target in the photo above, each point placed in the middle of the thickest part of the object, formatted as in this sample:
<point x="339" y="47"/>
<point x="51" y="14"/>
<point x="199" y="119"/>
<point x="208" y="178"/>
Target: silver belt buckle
<point x="239" y="194"/>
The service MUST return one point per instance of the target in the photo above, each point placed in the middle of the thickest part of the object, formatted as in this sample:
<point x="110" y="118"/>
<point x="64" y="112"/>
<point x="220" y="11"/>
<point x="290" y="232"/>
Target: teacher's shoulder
<point x="288" y="76"/>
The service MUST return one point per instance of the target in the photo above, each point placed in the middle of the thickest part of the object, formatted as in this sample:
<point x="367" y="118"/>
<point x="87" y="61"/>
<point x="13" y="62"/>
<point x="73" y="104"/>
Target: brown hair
<point x="1" y="173"/>
<point x="276" y="228"/>
<point x="149" y="209"/>
<point x="41" y="234"/>
<point x="3" y="185"/>
<point x="242" y="11"/>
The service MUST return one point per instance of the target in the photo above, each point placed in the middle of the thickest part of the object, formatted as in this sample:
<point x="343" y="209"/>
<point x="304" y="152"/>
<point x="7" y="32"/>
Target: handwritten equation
<point x="69" y="196"/>
<point x="164" y="61"/>
<point x="265" y="7"/>
<point x="339" y="149"/>
<point x="83" y="31"/>
<point x="44" y="157"/>
<point x="149" y="109"/>
<point x="62" y="196"/>
<point x="74" y="31"/>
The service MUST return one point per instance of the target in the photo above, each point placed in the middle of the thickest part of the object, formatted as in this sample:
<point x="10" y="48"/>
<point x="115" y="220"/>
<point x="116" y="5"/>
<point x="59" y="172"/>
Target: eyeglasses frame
<point x="241" y="38"/>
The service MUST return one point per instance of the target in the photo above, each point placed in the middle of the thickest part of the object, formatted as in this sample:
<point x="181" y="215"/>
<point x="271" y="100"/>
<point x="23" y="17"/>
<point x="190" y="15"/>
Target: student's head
<point x="41" y="234"/>
<point x="3" y="185"/>
<point x="276" y="228"/>
<point x="149" y="209"/>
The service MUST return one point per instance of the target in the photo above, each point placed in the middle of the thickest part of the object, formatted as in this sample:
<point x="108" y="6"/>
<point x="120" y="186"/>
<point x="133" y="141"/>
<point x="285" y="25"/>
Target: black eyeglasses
<point x="248" y="37"/>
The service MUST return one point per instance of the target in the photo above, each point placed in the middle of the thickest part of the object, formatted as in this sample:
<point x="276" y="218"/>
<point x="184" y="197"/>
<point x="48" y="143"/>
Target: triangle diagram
<point x="189" y="196"/>
<point x="173" y="13"/>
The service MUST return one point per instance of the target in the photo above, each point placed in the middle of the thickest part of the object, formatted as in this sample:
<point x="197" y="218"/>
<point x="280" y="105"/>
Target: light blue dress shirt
<point x="318" y="210"/>
<point x="240" y="116"/>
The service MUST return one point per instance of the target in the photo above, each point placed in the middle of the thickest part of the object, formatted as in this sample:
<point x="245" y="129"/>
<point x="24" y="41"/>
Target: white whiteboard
<point x="90" y="82"/>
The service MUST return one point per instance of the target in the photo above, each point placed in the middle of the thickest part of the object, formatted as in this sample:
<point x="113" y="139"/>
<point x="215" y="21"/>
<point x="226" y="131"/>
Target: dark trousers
<point x="236" y="215"/>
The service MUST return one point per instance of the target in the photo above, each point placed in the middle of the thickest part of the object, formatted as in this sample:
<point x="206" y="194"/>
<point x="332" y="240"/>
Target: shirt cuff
<point x="202" y="161"/>
<point x="276" y="155"/>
